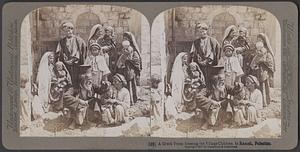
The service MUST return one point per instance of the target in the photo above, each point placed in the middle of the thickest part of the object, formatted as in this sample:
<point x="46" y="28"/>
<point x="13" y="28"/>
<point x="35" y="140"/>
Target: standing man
<point x="205" y="50"/>
<point x="71" y="50"/>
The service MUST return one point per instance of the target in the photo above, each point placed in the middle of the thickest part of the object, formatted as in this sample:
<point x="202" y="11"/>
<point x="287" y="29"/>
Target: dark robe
<point x="265" y="75"/>
<point x="75" y="54"/>
<point x="72" y="97"/>
<point x="199" y="54"/>
<point x="131" y="71"/>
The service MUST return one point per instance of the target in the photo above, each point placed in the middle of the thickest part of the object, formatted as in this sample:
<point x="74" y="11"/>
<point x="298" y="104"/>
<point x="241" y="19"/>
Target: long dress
<point x="178" y="75"/>
<point x="264" y="73"/>
<point x="132" y="65"/>
<point x="120" y="100"/>
<point x="232" y="69"/>
<point x="99" y="68"/>
<point x="256" y="100"/>
<point x="41" y="101"/>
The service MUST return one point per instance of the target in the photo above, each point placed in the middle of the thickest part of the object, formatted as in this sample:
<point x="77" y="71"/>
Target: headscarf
<point x="120" y="78"/>
<point x="132" y="41"/>
<point x="267" y="45"/>
<point x="111" y="29"/>
<point x="95" y="45"/>
<point x="253" y="79"/>
<point x="266" y="42"/>
<point x="67" y="24"/>
<point x="202" y="25"/>
<point x="199" y="70"/>
<point x="177" y="78"/>
<point x="44" y="77"/>
<point x="245" y="30"/>
<point x="228" y="30"/>
<point x="134" y="45"/>
<point x="93" y="30"/>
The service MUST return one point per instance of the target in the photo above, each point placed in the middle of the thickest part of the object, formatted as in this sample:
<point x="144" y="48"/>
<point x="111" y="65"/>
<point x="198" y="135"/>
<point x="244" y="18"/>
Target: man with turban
<point x="205" y="49"/>
<point x="71" y="50"/>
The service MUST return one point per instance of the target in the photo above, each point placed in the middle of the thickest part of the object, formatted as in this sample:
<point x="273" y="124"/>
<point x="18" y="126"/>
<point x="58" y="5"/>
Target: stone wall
<point x="180" y="28"/>
<point x="45" y="27"/>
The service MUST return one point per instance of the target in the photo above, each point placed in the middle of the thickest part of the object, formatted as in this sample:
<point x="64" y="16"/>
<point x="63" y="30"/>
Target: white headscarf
<point x="177" y="79"/>
<point x="266" y="42"/>
<point x="133" y="41"/>
<point x="93" y="31"/>
<point x="228" y="30"/>
<point x="44" y="77"/>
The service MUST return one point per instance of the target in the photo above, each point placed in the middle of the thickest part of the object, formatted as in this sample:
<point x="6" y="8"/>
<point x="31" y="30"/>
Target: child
<point x="98" y="64"/>
<point x="156" y="101"/>
<point x="59" y="84"/>
<point x="255" y="100"/>
<point x="63" y="77"/>
<point x="232" y="68"/>
<point x="196" y="78"/>
<point x="239" y="107"/>
<point x="25" y="97"/>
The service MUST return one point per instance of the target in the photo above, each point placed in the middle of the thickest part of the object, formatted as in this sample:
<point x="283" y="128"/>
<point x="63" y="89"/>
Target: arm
<point x="125" y="101"/>
<point x="192" y="52"/>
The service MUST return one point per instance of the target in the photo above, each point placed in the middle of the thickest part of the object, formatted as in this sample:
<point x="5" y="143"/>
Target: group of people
<point x="227" y="84"/>
<point x="94" y="80"/>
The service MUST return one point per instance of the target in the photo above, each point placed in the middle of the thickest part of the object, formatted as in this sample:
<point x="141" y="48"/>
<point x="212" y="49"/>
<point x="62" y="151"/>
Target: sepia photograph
<point x="85" y="71"/>
<point x="217" y="73"/>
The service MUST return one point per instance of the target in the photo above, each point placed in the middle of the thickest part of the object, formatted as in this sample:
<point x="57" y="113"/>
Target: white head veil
<point x="133" y="41"/>
<point x="93" y="31"/>
<point x="228" y="30"/>
<point x="44" y="77"/>
<point x="177" y="79"/>
<point x="266" y="42"/>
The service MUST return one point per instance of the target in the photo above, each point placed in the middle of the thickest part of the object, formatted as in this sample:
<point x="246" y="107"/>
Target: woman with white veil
<point x="178" y="75"/>
<point x="263" y="64"/>
<point x="41" y="101"/>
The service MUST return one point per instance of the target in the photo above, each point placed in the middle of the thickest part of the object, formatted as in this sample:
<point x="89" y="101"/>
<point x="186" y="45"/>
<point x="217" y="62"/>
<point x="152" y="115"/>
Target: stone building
<point x="179" y="31"/>
<point x="41" y="30"/>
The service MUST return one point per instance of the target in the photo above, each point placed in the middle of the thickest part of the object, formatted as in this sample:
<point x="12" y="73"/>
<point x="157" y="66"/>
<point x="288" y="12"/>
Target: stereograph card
<point x="141" y="75"/>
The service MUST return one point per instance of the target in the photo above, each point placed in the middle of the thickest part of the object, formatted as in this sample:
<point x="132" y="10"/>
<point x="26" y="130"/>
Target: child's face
<point x="193" y="67"/>
<point x="95" y="51"/>
<point x="100" y="32"/>
<point x="108" y="32"/>
<point x="125" y="46"/>
<point x="228" y="52"/>
<point x="240" y="96"/>
<point x="155" y="84"/>
<point x="59" y="67"/>
<point x="262" y="51"/>
<point x="185" y="59"/>
<point x="51" y="59"/>
<point x="250" y="86"/>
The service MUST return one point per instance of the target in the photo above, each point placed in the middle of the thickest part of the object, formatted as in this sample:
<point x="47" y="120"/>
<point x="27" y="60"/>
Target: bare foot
<point x="204" y="126"/>
<point x="72" y="125"/>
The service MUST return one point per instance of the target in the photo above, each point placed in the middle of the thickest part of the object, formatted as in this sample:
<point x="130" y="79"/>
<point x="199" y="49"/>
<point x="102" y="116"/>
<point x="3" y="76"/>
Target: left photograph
<point x="85" y="71"/>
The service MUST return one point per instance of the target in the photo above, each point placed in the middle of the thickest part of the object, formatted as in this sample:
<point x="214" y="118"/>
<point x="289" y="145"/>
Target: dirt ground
<point x="186" y="125"/>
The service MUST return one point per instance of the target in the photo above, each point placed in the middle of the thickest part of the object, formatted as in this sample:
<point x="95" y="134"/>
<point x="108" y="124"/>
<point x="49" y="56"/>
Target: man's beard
<point x="87" y="84"/>
<point x="221" y="86"/>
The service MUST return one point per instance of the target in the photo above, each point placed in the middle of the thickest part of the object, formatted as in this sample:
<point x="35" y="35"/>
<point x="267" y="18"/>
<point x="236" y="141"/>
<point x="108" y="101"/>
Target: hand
<point x="104" y="48"/>
<point x="203" y="63"/>
<point x="68" y="62"/>
<point x="83" y="102"/>
<point x="215" y="103"/>
<point x="239" y="50"/>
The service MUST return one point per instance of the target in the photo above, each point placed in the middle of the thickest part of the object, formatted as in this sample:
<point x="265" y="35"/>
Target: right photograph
<point x="216" y="73"/>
